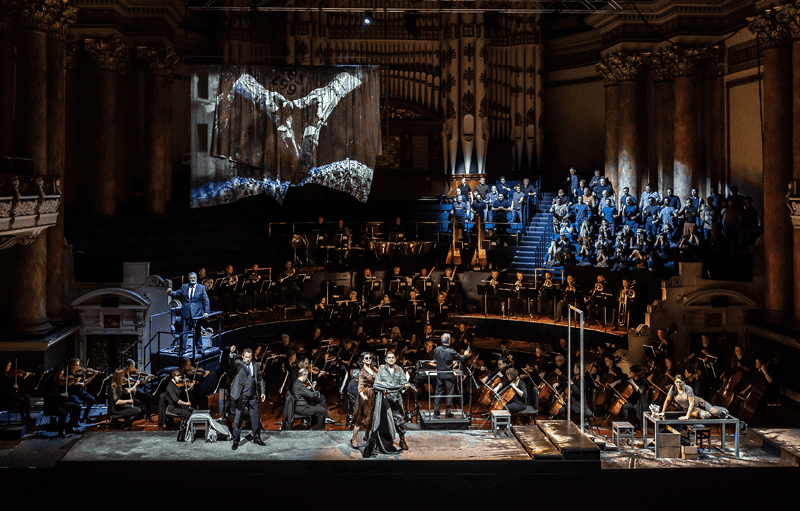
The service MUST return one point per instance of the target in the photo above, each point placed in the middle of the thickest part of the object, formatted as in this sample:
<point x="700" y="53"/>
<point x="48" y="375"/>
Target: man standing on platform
<point x="445" y="378"/>
<point x="194" y="305"/>
<point x="464" y="187"/>
<point x="482" y="188"/>
<point x="247" y="387"/>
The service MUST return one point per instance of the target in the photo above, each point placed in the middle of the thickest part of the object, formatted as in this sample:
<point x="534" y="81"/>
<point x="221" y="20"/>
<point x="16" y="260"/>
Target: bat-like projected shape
<point x="273" y="104"/>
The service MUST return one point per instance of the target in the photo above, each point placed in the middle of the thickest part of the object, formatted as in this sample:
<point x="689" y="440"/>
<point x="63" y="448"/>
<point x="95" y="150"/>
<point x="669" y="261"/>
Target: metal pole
<point x="569" y="364"/>
<point x="569" y="343"/>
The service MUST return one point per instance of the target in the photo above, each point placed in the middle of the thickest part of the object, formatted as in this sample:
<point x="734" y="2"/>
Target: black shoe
<point x="260" y="442"/>
<point x="436" y="414"/>
<point x="448" y="416"/>
<point x="235" y="446"/>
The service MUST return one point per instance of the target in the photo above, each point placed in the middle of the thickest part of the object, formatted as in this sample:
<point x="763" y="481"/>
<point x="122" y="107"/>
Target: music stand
<point x="485" y="290"/>
<point x="386" y="311"/>
<point x="650" y="352"/>
<point x="528" y="293"/>
<point x="316" y="239"/>
<point x="397" y="237"/>
<point x="507" y="294"/>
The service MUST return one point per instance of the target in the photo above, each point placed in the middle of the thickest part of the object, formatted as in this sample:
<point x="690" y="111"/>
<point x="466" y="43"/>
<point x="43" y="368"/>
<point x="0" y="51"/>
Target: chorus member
<point x="194" y="305"/>
<point x="445" y="378"/>
<point x="394" y="379"/>
<point x="461" y="211"/>
<point x="56" y="403"/>
<point x="482" y="188"/>
<point x="573" y="183"/>
<point x="500" y="209"/>
<point x="517" y="205"/>
<point x="365" y="404"/>
<point x="122" y="400"/>
<point x="464" y="187"/>
<point x="490" y="198"/>
<point x="10" y="394"/>
<point x="503" y="187"/>
<point x="248" y="386"/>
<point x="648" y="194"/>
<point x="595" y="179"/>
<point x="78" y="379"/>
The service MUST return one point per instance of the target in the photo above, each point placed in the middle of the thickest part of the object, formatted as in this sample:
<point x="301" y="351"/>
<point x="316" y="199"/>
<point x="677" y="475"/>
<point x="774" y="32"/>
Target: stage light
<point x="367" y="18"/>
<point x="491" y="23"/>
<point x="411" y="24"/>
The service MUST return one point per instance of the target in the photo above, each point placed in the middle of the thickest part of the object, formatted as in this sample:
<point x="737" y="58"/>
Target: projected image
<point x="271" y="129"/>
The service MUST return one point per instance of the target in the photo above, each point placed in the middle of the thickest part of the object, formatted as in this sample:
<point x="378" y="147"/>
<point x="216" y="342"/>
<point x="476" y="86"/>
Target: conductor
<point x="195" y="304"/>
<point x="445" y="378"/>
<point x="247" y="386"/>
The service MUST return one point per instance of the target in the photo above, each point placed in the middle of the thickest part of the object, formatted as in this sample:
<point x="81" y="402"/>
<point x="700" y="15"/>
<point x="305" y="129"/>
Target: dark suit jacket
<point x="199" y="303"/>
<point x="239" y="381"/>
<point x="304" y="396"/>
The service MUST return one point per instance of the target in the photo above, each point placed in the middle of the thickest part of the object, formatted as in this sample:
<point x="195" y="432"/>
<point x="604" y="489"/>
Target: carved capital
<point x="662" y="64"/>
<point x="793" y="202"/>
<point x="158" y="61"/>
<point x="53" y="16"/>
<point x="620" y="67"/>
<point x="789" y="16"/>
<point x="10" y="241"/>
<point x="689" y="61"/>
<point x="107" y="54"/>
<point x="769" y="30"/>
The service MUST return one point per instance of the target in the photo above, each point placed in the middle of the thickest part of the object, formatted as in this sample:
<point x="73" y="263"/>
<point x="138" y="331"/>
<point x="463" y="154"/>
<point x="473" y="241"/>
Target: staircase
<point x="535" y="240"/>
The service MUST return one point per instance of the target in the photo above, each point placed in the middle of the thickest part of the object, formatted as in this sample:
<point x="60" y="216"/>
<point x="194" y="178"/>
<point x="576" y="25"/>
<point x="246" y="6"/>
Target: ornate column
<point x="687" y="134"/>
<point x="481" y="99"/>
<point x="715" y="113"/>
<point x="160" y="64"/>
<point x="450" y="91"/>
<point x="56" y="131"/>
<point x="629" y="160"/>
<point x="6" y="88"/>
<point x="126" y="112"/>
<point x="72" y="138"/>
<point x="777" y="98"/>
<point x="25" y="279"/>
<point x="608" y="69"/>
<point x="789" y="16"/>
<point x="662" y="64"/>
<point x="106" y="56"/>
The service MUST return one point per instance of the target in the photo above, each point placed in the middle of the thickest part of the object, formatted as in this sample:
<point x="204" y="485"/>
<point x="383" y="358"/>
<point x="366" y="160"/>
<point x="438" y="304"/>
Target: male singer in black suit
<point x="195" y="305"/>
<point x="247" y="387"/>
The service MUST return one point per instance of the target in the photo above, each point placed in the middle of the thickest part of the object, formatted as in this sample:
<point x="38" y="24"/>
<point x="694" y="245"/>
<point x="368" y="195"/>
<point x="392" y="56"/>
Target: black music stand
<point x="529" y="294"/>
<point x="650" y="352"/>
<point x="427" y="286"/>
<point x="485" y="290"/>
<point x="507" y="294"/>
<point x="397" y="237"/>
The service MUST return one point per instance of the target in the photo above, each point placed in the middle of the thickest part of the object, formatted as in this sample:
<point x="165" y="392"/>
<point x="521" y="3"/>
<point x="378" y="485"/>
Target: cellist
<point x="511" y="379"/>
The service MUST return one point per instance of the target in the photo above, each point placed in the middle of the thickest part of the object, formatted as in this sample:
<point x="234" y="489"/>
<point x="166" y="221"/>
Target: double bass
<point x="454" y="253"/>
<point x="479" y="257"/>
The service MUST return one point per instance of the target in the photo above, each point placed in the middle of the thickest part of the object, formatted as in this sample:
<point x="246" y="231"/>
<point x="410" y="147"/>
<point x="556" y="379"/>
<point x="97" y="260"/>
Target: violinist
<point x="57" y="403"/>
<point x="304" y="364"/>
<point x="307" y="401"/>
<point x="122" y="400"/>
<point x="10" y="394"/>
<point x="464" y="338"/>
<point x="569" y="296"/>
<point x="178" y="400"/>
<point x="247" y="387"/>
<point x="78" y="379"/>
<point x="140" y="397"/>
<point x="194" y="375"/>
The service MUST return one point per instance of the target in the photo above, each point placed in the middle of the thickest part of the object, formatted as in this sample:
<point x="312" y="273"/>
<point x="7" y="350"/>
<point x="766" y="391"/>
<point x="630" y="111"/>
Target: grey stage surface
<point x="128" y="446"/>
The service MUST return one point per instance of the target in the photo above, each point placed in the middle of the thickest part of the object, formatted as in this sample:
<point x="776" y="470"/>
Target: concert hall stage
<point x="530" y="466"/>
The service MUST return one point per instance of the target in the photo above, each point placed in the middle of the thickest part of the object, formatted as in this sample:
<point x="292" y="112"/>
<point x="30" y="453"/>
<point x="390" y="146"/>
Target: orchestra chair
<point x="529" y="411"/>
<point x="620" y="430"/>
<point x="289" y="417"/>
<point x="501" y="419"/>
<point x="163" y="412"/>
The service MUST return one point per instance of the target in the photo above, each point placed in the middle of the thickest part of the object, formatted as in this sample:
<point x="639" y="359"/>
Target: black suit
<point x="194" y="303"/>
<point x="247" y="387"/>
<point x="305" y="404"/>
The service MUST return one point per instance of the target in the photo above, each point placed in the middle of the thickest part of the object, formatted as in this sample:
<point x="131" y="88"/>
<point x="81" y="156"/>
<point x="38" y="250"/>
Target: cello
<point x="620" y="399"/>
<point x="727" y="392"/>
<point x="487" y="392"/>
<point x="505" y="396"/>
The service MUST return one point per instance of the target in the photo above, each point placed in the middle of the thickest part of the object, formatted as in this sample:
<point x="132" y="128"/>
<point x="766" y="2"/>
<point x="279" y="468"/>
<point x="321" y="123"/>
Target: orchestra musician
<point x="423" y="283"/>
<point x="178" y="401"/>
<point x="194" y="305"/>
<point x="397" y="284"/>
<point x="597" y="300"/>
<point x="57" y="403"/>
<point x="253" y="276"/>
<point x="440" y="310"/>
<point x="78" y="378"/>
<point x="231" y="299"/>
<point x="570" y="296"/>
<point x="307" y="400"/>
<point x="511" y="378"/>
<point x="10" y="394"/>
<point x="122" y="400"/>
<point x="449" y="286"/>
<point x="190" y="372"/>
<point x="368" y="288"/>
<point x="288" y="284"/>
<point x="140" y="396"/>
<point x="494" y="301"/>
<point x="625" y="300"/>
<point x="547" y="292"/>
<point x="518" y="304"/>
<point x="247" y="387"/>
<point x="445" y="356"/>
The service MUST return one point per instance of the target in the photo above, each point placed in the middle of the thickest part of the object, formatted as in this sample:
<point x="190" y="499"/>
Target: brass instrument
<point x="627" y="295"/>
<point x="598" y="288"/>
<point x="548" y="283"/>
<point x="231" y="280"/>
